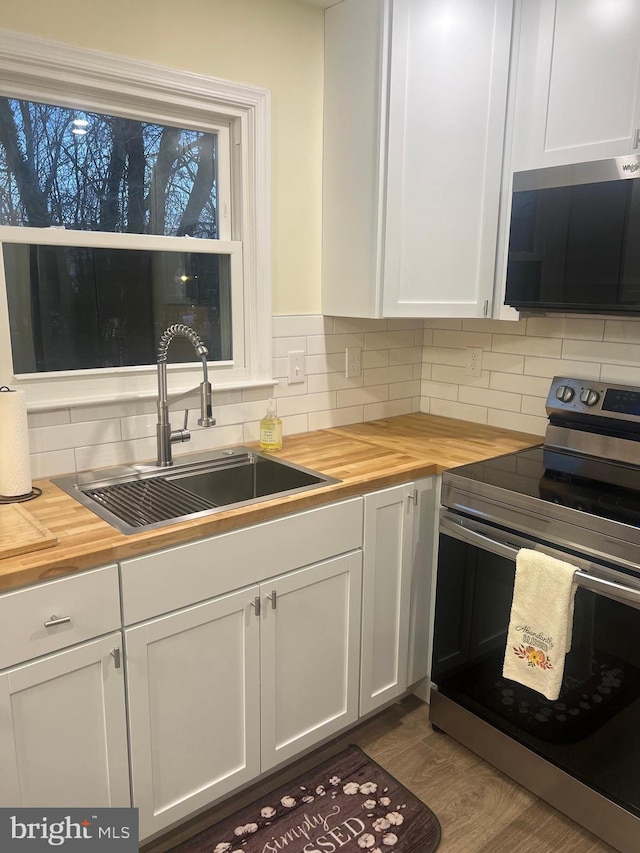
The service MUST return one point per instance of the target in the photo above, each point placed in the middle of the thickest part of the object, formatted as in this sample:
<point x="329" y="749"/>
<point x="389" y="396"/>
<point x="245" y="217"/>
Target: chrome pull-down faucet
<point x="165" y="435"/>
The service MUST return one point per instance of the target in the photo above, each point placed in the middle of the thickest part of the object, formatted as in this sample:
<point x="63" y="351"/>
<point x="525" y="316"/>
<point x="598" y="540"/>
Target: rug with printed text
<point x="347" y="804"/>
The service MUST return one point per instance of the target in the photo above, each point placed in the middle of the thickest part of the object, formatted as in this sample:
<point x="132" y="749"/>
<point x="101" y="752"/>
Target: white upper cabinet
<point x="415" y="104"/>
<point x="577" y="93"/>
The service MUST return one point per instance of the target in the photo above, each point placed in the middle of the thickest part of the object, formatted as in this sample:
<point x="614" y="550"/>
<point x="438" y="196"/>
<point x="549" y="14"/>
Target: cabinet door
<point x="193" y="679"/>
<point x="63" y="739"/>
<point x="422" y="578"/>
<point x="577" y="94"/>
<point x="310" y="656"/>
<point x="386" y="590"/>
<point x="447" y="108"/>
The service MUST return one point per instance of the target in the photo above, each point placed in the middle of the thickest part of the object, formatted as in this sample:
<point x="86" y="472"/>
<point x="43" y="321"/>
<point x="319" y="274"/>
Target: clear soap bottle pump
<point x="271" y="430"/>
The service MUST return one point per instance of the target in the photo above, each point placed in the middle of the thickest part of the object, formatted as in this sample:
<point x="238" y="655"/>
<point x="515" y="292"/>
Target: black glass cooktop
<point x="595" y="486"/>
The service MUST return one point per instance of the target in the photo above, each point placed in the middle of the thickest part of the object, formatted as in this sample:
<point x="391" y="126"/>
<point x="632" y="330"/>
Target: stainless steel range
<point x="576" y="497"/>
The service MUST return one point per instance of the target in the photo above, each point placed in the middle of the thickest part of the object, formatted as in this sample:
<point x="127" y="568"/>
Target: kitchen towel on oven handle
<point x="541" y="622"/>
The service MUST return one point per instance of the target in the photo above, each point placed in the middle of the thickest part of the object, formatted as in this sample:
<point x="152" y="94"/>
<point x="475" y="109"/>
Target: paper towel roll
<point x="15" y="464"/>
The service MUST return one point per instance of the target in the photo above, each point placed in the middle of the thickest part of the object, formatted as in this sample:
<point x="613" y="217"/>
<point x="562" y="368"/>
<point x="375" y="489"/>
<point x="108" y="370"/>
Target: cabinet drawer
<point x="180" y="576"/>
<point x="89" y="600"/>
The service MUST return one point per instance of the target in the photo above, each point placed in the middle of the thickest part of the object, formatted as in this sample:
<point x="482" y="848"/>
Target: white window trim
<point x="42" y="70"/>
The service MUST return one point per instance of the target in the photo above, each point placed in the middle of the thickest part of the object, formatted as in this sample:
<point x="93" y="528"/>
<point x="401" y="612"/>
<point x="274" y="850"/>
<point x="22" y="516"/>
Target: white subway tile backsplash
<point x="532" y="385"/>
<point x="519" y="327"/>
<point x="353" y="325"/>
<point x="504" y="362"/>
<point x="397" y="390"/>
<point x="363" y="396"/>
<point x="283" y="346"/>
<point x="566" y="327"/>
<point x="52" y="464"/>
<point x="46" y="419"/>
<point x="462" y="339"/>
<point x="527" y="345"/>
<point x="405" y="355"/>
<point x="295" y="424"/>
<point x="519" y="422"/>
<point x="491" y="399"/>
<point x="607" y="352"/>
<point x="82" y="414"/>
<point x="320" y="344"/>
<point x="458" y="375"/>
<point x="319" y="382"/>
<point x="308" y="403"/>
<point x="118" y="453"/>
<point x="439" y="390"/>
<point x="68" y="436"/>
<point x="376" y="358"/>
<point x="381" y="375"/>
<point x="375" y="411"/>
<point x="460" y="411"/>
<point x="407" y="365"/>
<point x="336" y="417"/>
<point x="388" y="340"/>
<point x="328" y="363"/>
<point x="550" y="367"/>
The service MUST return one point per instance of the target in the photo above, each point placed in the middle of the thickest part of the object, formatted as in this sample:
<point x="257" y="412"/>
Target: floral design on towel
<point x="533" y="656"/>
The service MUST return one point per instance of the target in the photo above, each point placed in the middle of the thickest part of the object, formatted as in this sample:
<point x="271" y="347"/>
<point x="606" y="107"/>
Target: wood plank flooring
<point x="480" y="810"/>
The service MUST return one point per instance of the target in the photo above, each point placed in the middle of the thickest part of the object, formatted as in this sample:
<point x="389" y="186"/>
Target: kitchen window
<point x="132" y="197"/>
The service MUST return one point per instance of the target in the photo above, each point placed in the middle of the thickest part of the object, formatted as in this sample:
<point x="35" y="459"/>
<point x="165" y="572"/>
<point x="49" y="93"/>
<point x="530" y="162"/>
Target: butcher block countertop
<point x="364" y="457"/>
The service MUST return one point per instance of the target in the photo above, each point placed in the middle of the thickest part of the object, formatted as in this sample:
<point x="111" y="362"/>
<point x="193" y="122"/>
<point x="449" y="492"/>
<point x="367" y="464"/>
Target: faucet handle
<point x="186" y="418"/>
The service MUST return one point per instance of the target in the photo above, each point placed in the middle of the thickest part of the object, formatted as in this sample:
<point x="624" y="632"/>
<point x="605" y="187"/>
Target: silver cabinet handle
<point x="636" y="138"/>
<point x="57" y="620"/>
<point x="256" y="604"/>
<point x="115" y="654"/>
<point x="273" y="598"/>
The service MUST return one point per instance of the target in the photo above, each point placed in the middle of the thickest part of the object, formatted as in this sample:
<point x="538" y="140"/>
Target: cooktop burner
<point x="593" y="486"/>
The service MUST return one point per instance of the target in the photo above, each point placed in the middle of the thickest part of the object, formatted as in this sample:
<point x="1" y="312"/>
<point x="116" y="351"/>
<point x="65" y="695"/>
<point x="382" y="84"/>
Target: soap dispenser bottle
<point x="271" y="430"/>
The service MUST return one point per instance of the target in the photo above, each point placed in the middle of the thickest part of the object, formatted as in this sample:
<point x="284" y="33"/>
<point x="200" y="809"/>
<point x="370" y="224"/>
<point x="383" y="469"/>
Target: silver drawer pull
<point x="273" y="598"/>
<point x="57" y="620"/>
<point x="256" y="604"/>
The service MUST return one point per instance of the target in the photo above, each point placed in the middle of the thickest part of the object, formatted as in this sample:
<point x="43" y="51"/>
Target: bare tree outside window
<point x="78" y="308"/>
<point x="91" y="172"/>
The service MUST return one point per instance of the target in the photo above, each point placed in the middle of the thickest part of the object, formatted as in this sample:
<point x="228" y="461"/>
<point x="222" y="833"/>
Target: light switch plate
<point x="296" y="367"/>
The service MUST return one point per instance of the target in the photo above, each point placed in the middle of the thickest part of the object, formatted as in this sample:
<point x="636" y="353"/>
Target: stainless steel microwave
<point x="574" y="239"/>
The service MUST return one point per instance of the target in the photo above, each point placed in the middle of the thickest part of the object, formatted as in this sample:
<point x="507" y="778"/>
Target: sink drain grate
<point x="144" y="502"/>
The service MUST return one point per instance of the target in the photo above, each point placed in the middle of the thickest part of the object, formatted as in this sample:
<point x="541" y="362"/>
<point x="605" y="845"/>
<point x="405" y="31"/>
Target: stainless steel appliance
<point x="576" y="497"/>
<point x="574" y="238"/>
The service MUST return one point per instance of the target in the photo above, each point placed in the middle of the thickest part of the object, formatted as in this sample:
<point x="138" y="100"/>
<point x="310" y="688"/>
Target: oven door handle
<point x="466" y="531"/>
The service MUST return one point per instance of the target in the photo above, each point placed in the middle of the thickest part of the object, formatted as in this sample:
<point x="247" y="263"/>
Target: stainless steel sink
<point x="144" y="497"/>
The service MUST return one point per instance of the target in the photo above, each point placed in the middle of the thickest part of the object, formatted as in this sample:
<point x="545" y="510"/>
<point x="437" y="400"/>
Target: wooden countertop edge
<point x="90" y="552"/>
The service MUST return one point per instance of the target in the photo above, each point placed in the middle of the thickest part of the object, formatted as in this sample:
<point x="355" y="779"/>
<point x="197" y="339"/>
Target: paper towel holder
<point x="28" y="496"/>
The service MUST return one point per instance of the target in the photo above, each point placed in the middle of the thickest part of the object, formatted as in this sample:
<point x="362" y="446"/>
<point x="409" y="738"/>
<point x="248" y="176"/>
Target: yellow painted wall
<point x="276" y="44"/>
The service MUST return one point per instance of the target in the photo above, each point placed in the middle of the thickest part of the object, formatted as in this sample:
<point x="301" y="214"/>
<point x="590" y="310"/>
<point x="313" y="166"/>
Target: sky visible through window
<point x="61" y="167"/>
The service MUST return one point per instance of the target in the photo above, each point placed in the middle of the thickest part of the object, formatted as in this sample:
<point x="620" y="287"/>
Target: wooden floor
<point x="480" y="810"/>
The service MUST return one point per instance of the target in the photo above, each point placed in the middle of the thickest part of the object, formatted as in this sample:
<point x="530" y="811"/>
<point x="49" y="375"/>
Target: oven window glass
<point x="593" y="730"/>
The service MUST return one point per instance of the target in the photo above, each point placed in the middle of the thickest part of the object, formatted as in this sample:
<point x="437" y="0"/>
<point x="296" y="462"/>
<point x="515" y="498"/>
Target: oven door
<point x="592" y="731"/>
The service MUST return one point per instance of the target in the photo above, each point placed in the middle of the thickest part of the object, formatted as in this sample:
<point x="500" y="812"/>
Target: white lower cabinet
<point x="242" y="651"/>
<point x="194" y="707"/>
<point x="310" y="656"/>
<point x="274" y="664"/>
<point x="63" y="739"/>
<point x="397" y="573"/>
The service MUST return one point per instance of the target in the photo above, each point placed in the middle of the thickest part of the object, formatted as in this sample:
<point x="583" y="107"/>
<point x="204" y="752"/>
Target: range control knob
<point x="589" y="397"/>
<point x="565" y="393"/>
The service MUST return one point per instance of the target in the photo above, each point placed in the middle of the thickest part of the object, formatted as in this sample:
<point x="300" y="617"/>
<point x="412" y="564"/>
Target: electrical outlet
<point x="473" y="365"/>
<point x="353" y="362"/>
<point x="296" y="367"/>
